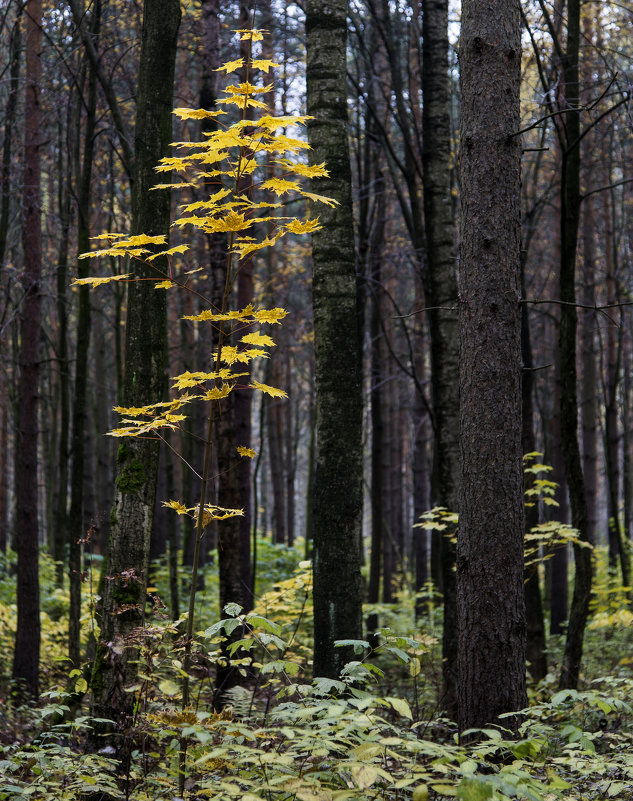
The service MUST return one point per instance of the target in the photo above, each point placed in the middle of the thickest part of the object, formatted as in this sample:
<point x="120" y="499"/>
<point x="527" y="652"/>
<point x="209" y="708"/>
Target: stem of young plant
<point x="206" y="472"/>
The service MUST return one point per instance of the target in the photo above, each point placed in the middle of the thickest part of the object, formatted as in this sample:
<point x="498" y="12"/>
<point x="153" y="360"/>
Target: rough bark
<point x="15" y="47"/>
<point x="443" y="323"/>
<point x="337" y="508"/>
<point x="145" y="376"/>
<point x="27" y="640"/>
<point x="535" y="623"/>
<point x="570" y="215"/>
<point x="491" y="607"/>
<point x="75" y="519"/>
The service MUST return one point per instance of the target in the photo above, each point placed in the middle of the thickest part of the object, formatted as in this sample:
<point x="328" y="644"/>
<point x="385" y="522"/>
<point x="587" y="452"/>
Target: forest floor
<point x="377" y="733"/>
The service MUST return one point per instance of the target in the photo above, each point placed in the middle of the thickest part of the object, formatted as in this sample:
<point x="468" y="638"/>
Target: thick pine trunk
<point x="491" y="607"/>
<point x="337" y="511"/>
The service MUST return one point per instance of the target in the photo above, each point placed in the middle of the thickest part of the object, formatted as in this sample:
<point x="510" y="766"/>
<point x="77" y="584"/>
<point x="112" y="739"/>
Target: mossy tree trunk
<point x="337" y="509"/>
<point x="145" y="376"/>
<point x="491" y="606"/>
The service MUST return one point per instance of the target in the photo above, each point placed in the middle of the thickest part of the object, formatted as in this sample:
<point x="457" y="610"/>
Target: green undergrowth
<point x="375" y="733"/>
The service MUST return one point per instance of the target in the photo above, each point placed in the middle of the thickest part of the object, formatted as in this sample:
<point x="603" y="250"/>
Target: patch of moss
<point x="132" y="477"/>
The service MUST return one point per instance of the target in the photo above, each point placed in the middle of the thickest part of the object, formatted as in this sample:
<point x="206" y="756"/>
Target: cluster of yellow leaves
<point x="226" y="168"/>
<point x="210" y="511"/>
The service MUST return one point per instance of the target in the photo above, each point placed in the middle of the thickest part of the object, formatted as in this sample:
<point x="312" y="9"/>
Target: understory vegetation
<point x="376" y="733"/>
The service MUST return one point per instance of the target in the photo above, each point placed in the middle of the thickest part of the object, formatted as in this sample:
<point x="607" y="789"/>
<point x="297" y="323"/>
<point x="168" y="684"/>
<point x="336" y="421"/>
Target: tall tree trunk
<point x="443" y="322"/>
<point x="570" y="213"/>
<point x="535" y="640"/>
<point x="145" y="379"/>
<point x="242" y="397"/>
<point x="337" y="512"/>
<point x="15" y="46"/>
<point x="76" y="531"/>
<point x="57" y="542"/>
<point x="559" y="590"/>
<point x="491" y="606"/>
<point x="589" y="387"/>
<point x="617" y="553"/>
<point x="27" y="640"/>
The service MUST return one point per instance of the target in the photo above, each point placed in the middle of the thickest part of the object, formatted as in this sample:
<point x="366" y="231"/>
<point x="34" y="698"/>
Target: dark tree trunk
<point x="535" y="644"/>
<point x="15" y="47"/>
<point x="337" y="510"/>
<point x="570" y="213"/>
<point x="57" y="536"/>
<point x="491" y="606"/>
<point x="558" y="565"/>
<point x="27" y="640"/>
<point x="145" y="374"/>
<point x="443" y="323"/>
<point x="76" y="531"/>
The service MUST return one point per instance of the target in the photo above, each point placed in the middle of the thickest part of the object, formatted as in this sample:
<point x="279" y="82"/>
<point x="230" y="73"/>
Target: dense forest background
<point x="370" y="343"/>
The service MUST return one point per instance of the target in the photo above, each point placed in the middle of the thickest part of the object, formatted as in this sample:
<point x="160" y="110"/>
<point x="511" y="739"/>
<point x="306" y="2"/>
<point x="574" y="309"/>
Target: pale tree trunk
<point x="337" y="511"/>
<point x="443" y="322"/>
<point x="145" y="378"/>
<point x="27" y="641"/>
<point x="491" y="606"/>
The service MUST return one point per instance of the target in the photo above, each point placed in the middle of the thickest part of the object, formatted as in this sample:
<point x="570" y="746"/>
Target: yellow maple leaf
<point x="170" y="252"/>
<point x="319" y="198"/>
<point x="263" y="64"/>
<point x="260" y="340"/>
<point x="242" y="101"/>
<point x="274" y="123"/>
<point x="109" y="235"/>
<point x="231" y="355"/>
<point x="164" y="284"/>
<point x="271" y="316"/>
<point x="170" y="163"/>
<point x="196" y="113"/>
<point x="98" y="281"/>
<point x="247" y="88"/>
<point x="279" y="185"/>
<point x="306" y="170"/>
<point x="231" y="66"/>
<point x="180" y="185"/>
<point x="244" y="451"/>
<point x="283" y="143"/>
<point x="254" y="34"/>
<point x="305" y="227"/>
<point x="217" y="393"/>
<point x="272" y="391"/>
<point x="179" y="507"/>
<point x="233" y="221"/>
